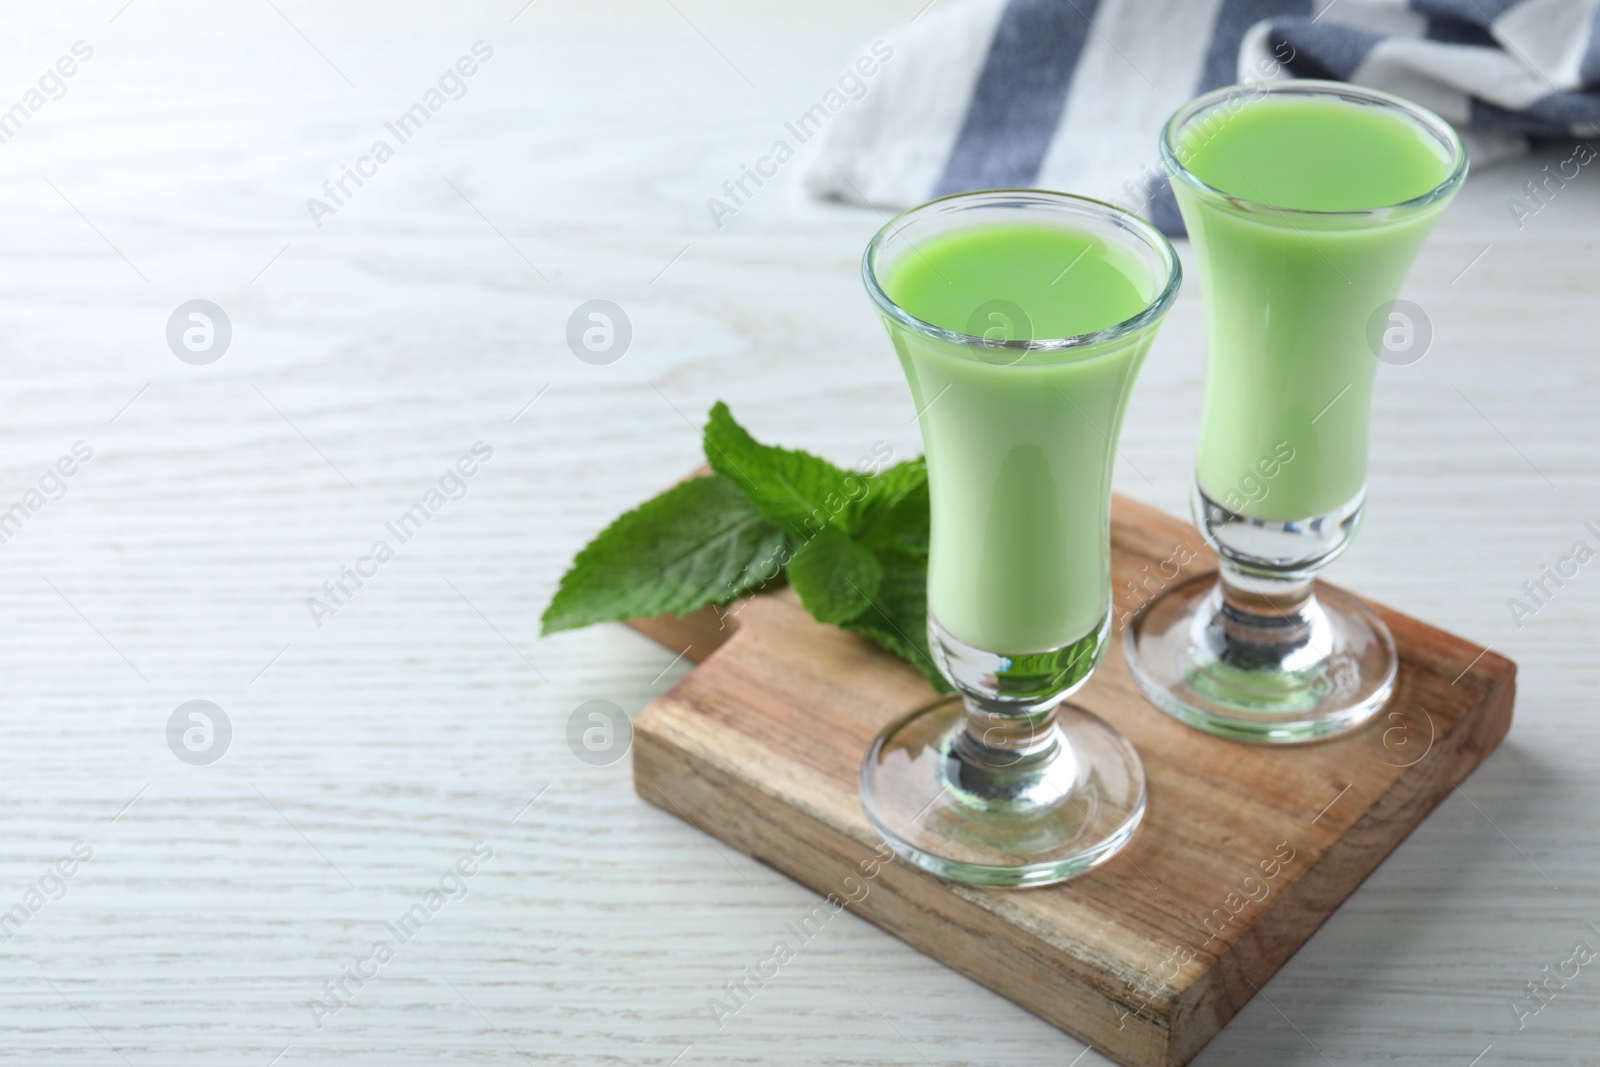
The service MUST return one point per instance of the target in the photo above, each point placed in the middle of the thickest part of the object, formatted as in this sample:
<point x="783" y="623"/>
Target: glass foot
<point x="1323" y="667"/>
<point x="1065" y="807"/>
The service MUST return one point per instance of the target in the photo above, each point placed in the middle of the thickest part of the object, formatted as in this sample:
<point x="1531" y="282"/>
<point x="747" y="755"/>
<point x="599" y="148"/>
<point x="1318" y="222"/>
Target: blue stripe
<point x="1161" y="207"/>
<point x="1235" y="17"/>
<point x="1559" y="115"/>
<point x="1475" y="12"/>
<point x="1444" y="24"/>
<point x="1020" y="95"/>
<point x="1321" y="51"/>
<point x="1589" y="68"/>
<point x="1446" y="30"/>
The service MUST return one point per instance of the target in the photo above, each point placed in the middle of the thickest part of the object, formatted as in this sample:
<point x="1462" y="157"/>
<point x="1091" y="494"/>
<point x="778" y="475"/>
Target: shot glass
<point x="1005" y="784"/>
<point x="1299" y="306"/>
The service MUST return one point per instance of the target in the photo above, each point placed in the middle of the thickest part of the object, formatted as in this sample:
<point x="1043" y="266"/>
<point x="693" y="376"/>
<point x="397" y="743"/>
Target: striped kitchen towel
<point x="1072" y="94"/>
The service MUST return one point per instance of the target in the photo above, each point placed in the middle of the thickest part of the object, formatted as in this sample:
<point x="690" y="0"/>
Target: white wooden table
<point x="370" y="753"/>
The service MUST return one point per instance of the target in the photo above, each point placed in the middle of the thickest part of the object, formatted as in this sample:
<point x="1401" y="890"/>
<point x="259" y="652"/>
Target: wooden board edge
<point x="713" y="800"/>
<point x="690" y="788"/>
<point x="695" y="636"/>
<point x="1336" y="874"/>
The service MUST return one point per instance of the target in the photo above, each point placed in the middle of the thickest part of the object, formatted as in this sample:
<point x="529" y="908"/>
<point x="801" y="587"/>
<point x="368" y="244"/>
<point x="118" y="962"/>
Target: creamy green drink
<point x="1019" y="442"/>
<point x="1291" y="287"/>
<point x="1020" y="317"/>
<point x="1306" y="202"/>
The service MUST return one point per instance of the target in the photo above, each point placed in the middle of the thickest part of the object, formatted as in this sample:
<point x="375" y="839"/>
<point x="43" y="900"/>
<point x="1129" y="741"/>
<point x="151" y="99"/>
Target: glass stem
<point x="1266" y="611"/>
<point x="1015" y="740"/>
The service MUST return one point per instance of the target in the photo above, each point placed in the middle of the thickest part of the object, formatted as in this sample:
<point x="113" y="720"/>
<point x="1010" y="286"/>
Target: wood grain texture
<point x="1243" y="853"/>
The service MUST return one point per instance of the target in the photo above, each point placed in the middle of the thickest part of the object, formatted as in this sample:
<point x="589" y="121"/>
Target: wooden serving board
<point x="1244" y="851"/>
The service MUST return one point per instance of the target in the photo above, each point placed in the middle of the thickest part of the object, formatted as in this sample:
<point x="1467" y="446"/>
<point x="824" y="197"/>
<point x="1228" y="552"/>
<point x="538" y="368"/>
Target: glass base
<point x="1322" y="668"/>
<point x="1064" y="807"/>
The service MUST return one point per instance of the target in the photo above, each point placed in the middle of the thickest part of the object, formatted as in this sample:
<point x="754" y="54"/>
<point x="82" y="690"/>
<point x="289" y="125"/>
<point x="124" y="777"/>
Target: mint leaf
<point x="799" y="492"/>
<point x="893" y="515"/>
<point x="862" y="561"/>
<point x="897" y="618"/>
<point x="701" y="542"/>
<point x="888" y="488"/>
<point x="835" y="577"/>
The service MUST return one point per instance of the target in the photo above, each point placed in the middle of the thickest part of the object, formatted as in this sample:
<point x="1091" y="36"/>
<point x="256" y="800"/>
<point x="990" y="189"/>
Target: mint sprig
<point x="853" y="546"/>
<point x="799" y="492"/>
<point x="701" y="542"/>
<point x="835" y="577"/>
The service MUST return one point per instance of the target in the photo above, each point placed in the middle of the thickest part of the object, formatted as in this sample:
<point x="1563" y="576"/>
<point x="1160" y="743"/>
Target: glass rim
<point x="1153" y="238"/>
<point x="1438" y="127"/>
